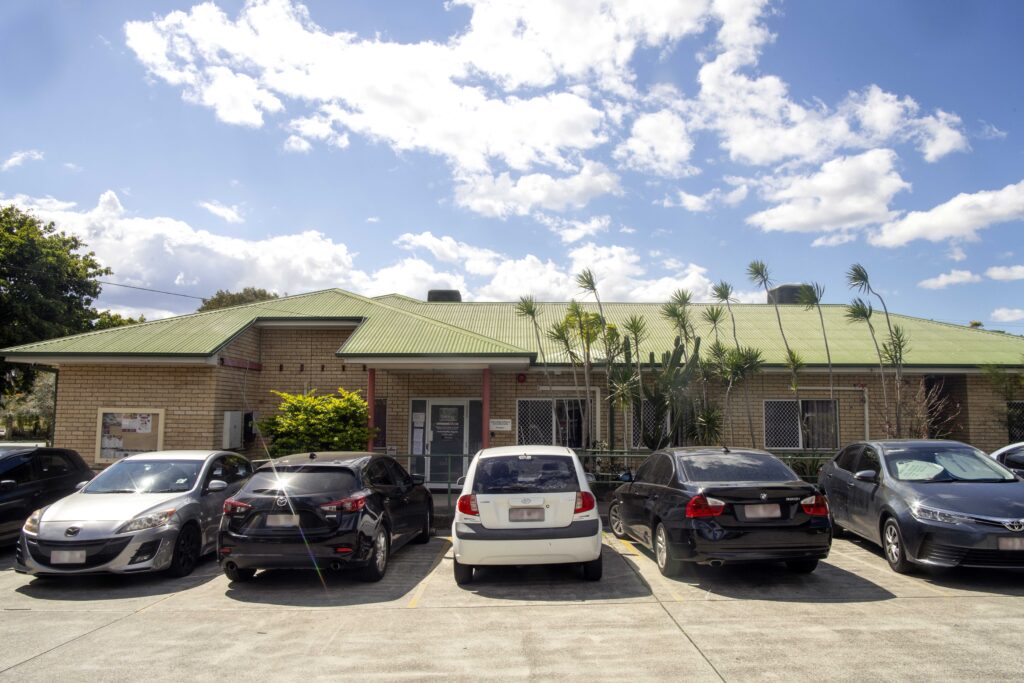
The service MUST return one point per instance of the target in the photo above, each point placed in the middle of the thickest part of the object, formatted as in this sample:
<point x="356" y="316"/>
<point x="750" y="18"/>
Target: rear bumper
<point x="704" y="543"/>
<point x="578" y="542"/>
<point x="292" y="553"/>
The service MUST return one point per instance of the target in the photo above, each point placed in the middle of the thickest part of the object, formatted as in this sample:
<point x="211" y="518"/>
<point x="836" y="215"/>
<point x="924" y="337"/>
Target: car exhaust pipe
<point x="716" y="563"/>
<point x="335" y="566"/>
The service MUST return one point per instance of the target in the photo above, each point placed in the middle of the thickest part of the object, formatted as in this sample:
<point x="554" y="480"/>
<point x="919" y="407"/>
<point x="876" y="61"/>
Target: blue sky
<point x="499" y="147"/>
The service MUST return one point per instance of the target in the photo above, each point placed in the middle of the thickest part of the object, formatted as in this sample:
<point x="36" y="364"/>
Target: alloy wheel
<point x="615" y="518"/>
<point x="892" y="544"/>
<point x="381" y="550"/>
<point x="661" y="546"/>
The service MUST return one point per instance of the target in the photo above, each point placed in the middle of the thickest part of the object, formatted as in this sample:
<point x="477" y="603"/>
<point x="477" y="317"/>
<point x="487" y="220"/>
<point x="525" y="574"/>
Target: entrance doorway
<point x="443" y="428"/>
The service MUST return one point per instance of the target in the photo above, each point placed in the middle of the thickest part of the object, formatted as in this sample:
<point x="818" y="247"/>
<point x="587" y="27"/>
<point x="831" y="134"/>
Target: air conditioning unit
<point x="232" y="429"/>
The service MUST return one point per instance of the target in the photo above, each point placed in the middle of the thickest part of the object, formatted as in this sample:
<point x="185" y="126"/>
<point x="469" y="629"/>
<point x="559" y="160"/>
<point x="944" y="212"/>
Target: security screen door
<point x="447" y="436"/>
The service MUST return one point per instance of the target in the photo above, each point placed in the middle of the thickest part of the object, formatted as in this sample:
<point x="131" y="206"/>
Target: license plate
<point x="1011" y="543"/>
<point x="526" y="515"/>
<point x="282" y="520"/>
<point x="767" y="511"/>
<point x="67" y="557"/>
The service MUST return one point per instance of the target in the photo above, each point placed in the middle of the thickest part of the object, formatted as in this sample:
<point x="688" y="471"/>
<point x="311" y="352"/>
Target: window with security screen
<point x="555" y="422"/>
<point x="648" y="421"/>
<point x="1015" y="420"/>
<point x="813" y="424"/>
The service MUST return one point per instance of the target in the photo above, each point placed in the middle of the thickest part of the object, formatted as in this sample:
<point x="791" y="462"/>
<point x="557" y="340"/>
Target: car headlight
<point x="927" y="514"/>
<point x="150" y="520"/>
<point x="32" y="523"/>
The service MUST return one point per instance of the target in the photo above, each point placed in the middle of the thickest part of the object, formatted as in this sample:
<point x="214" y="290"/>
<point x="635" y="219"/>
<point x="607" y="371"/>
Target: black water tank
<point x="784" y="294"/>
<point x="444" y="295"/>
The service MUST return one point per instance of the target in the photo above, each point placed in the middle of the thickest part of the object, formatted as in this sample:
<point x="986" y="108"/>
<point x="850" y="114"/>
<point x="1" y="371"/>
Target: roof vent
<point x="784" y="294"/>
<point x="444" y="295"/>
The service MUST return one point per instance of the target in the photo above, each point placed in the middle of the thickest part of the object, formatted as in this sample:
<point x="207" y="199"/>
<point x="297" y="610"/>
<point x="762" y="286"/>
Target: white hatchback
<point x="526" y="505"/>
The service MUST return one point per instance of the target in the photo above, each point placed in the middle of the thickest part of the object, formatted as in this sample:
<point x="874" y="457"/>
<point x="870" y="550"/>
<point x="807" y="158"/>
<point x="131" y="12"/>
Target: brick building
<point x="451" y="377"/>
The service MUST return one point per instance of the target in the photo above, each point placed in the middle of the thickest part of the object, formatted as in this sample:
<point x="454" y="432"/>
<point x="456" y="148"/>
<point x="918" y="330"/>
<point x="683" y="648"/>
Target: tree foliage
<point x="223" y="298"/>
<point x="47" y="285"/>
<point x="308" y="422"/>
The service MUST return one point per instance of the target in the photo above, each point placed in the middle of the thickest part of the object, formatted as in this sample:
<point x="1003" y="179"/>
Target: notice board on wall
<point x="127" y="431"/>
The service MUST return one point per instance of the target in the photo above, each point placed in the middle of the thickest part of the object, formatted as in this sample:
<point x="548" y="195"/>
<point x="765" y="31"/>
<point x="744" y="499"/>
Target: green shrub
<point x="308" y="422"/>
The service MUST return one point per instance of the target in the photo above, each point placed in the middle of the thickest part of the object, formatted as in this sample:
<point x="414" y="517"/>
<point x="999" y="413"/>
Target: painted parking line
<point x="415" y="600"/>
<point x="665" y="583"/>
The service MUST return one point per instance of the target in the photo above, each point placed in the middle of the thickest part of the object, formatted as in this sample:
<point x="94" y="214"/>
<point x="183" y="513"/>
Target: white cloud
<point x="20" y="157"/>
<point x="953" y="277"/>
<point x="570" y="231"/>
<point x="72" y="167"/>
<point x="698" y="203"/>
<point x="846" y="193"/>
<point x="294" y="143"/>
<point x="658" y="144"/>
<point x="373" y="219"/>
<point x="1007" y="315"/>
<point x="476" y="260"/>
<point x="956" y="253"/>
<point x="411" y="276"/>
<point x="230" y="214"/>
<point x="502" y="196"/>
<point x="626" y="230"/>
<point x="959" y="218"/>
<point x="1006" y="273"/>
<point x="990" y="132"/>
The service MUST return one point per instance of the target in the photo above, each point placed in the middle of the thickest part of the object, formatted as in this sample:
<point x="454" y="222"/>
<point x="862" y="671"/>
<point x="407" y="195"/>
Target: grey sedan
<point x="149" y="512"/>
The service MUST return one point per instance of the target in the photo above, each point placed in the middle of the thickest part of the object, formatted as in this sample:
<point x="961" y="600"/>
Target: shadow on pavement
<point x="558" y="582"/>
<point x="409" y="566"/>
<point x="92" y="587"/>
<point x="996" y="581"/>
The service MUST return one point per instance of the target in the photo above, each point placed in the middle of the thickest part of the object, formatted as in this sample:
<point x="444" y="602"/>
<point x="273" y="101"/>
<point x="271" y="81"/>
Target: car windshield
<point x="939" y="463"/>
<point x="146" y="476"/>
<point x="302" y="480"/>
<point x="716" y="467"/>
<point x="525" y="474"/>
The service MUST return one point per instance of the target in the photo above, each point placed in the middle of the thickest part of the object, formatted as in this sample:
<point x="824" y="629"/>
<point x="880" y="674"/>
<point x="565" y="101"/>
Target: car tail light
<point x="467" y="505"/>
<point x="235" y="507"/>
<point x="702" y="506"/>
<point x="343" y="550"/>
<point x="815" y="506"/>
<point x="585" y="502"/>
<point x="351" y="504"/>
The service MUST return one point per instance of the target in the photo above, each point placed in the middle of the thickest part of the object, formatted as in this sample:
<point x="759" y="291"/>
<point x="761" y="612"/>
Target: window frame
<point x="800" y="417"/>
<point x="1014" y="430"/>
<point x="553" y="403"/>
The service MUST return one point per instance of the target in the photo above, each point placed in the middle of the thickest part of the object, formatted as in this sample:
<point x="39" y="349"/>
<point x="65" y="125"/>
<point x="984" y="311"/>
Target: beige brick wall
<point x="295" y="360"/>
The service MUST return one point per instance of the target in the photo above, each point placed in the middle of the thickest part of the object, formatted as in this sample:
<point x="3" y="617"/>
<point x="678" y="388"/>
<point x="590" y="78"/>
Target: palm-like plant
<point x="562" y="334"/>
<point x="587" y="281"/>
<point x="857" y="278"/>
<point x="723" y="293"/>
<point x="528" y="308"/>
<point x="587" y="327"/>
<point x="624" y="388"/>
<point x="635" y="330"/>
<point x="752" y="363"/>
<point x="861" y="311"/>
<point x="810" y="296"/>
<point x="713" y="316"/>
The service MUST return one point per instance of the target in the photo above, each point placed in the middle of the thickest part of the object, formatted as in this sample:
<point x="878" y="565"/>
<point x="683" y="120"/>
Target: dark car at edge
<point x="324" y="511"/>
<point x="716" y="506"/>
<point x="929" y="502"/>
<point x="32" y="478"/>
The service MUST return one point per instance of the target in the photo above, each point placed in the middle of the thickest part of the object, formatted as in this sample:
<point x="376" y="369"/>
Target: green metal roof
<point x="395" y="325"/>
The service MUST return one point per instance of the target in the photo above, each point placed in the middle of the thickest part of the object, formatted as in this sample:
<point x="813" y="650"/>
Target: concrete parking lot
<point x="853" y="619"/>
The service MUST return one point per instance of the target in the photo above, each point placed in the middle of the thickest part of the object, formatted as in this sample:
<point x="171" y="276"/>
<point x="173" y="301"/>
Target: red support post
<point x="487" y="408"/>
<point x="371" y="380"/>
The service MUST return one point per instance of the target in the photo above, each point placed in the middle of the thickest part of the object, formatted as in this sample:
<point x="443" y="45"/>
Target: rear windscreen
<point x="303" y="480"/>
<point x="525" y="474"/>
<point x="735" y="467"/>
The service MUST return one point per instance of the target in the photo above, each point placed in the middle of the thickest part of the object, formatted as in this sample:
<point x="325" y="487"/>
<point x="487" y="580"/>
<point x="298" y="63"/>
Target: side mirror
<point x="626" y="476"/>
<point x="7" y="484"/>
<point x="591" y="479"/>
<point x="418" y="479"/>
<point x="216" y="485"/>
<point x="81" y="485"/>
<point x="460" y="481"/>
<point x="866" y="475"/>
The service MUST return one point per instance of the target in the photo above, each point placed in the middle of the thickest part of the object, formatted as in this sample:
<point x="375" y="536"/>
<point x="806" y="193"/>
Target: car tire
<point x="894" y="549"/>
<point x="667" y="564"/>
<point x="837" y="531"/>
<point x="238" y="575"/>
<point x="802" y="566"/>
<point x="187" y="547"/>
<point x="615" y="521"/>
<point x="463" y="573"/>
<point x="428" y="528"/>
<point x="378" y="564"/>
<point x="592" y="570"/>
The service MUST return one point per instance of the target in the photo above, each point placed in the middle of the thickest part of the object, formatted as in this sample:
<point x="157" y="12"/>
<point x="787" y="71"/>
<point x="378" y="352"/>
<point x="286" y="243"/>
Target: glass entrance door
<point x="446" y="436"/>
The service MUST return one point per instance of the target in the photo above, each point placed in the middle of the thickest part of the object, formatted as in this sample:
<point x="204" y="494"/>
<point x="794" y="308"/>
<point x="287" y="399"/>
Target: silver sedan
<point x="149" y="512"/>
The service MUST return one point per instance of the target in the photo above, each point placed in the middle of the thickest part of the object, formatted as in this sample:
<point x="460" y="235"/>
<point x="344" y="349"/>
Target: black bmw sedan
<point x="714" y="506"/>
<point x="938" y="503"/>
<point x="323" y="511"/>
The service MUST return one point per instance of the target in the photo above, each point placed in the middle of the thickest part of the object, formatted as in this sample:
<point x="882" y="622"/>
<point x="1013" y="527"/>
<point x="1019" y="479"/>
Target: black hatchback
<point x="716" y="506"/>
<point x="323" y="511"/>
<point x="32" y="478"/>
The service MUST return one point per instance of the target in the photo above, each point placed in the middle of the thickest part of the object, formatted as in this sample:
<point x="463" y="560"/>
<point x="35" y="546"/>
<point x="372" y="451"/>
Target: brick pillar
<point x="487" y="408"/>
<point x="371" y="379"/>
